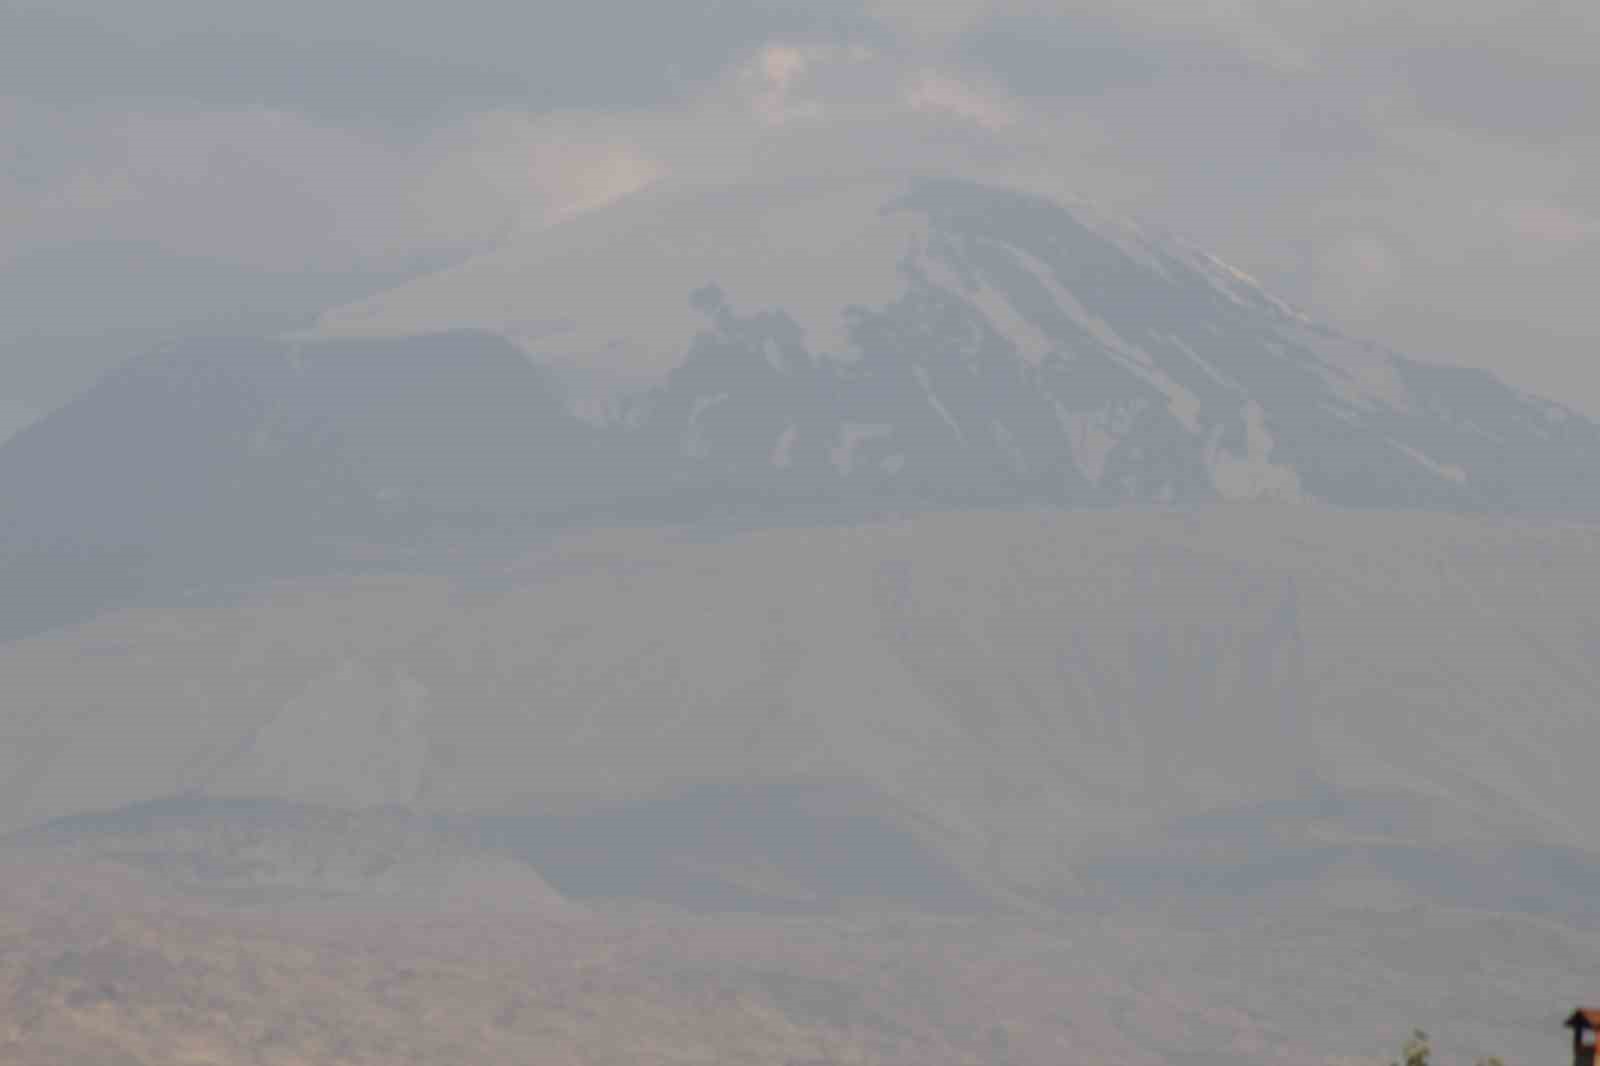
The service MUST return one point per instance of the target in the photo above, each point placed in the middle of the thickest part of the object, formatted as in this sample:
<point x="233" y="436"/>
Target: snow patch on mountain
<point x="921" y="373"/>
<point x="694" y="437"/>
<point x="783" y="449"/>
<point x="1065" y="301"/>
<point x="1091" y="439"/>
<point x="1253" y="475"/>
<point x="1454" y="473"/>
<point x="1030" y="342"/>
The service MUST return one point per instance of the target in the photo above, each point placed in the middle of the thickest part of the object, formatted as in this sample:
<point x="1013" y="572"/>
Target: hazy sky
<point x="1426" y="173"/>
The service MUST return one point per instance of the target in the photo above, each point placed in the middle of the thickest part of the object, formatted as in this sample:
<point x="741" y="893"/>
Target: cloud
<point x="1354" y="275"/>
<point x="1546" y="223"/>
<point x="278" y="190"/>
<point x="933" y="91"/>
<point x="1445" y="148"/>
<point x="1061" y="56"/>
<point x="775" y="77"/>
<point x="505" y="173"/>
<point x="266" y="186"/>
<point x="398" y="61"/>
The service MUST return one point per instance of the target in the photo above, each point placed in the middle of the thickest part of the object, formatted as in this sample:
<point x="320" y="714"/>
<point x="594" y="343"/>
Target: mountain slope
<point x="1021" y="693"/>
<point x="217" y="461"/>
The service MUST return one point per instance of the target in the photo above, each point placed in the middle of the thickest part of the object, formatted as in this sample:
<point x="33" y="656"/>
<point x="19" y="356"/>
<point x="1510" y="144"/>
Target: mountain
<point x="812" y="351"/>
<point x="940" y="340"/>
<point x="801" y="623"/>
